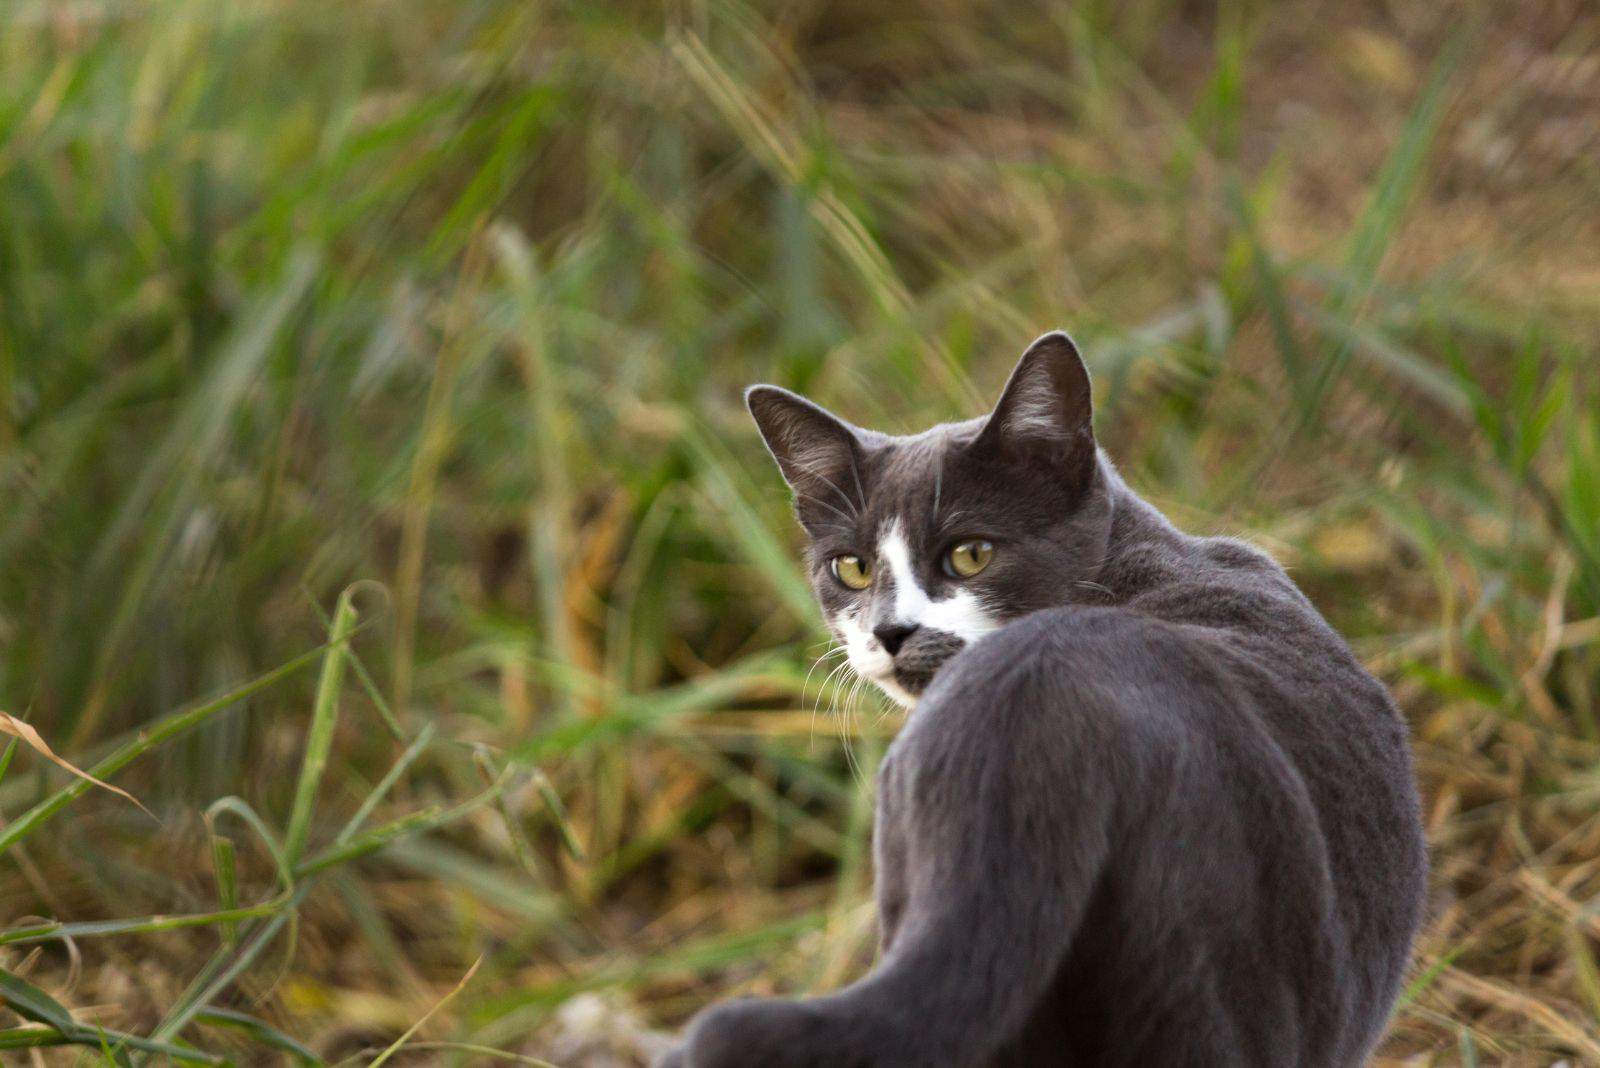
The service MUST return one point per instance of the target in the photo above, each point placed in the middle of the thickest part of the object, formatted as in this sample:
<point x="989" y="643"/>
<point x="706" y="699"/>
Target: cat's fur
<point x="1147" y="810"/>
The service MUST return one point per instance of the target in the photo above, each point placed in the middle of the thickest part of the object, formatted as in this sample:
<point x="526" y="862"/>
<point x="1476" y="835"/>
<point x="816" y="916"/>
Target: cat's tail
<point x="999" y="805"/>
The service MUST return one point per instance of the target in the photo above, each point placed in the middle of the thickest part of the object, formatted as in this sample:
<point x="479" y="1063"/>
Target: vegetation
<point x="376" y="503"/>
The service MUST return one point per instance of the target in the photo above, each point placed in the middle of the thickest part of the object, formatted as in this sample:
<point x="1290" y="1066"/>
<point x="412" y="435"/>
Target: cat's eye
<point x="852" y="571"/>
<point x="968" y="558"/>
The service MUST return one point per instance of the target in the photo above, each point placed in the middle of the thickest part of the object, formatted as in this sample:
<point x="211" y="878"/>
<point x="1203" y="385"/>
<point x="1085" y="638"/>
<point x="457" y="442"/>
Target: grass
<point x="404" y="340"/>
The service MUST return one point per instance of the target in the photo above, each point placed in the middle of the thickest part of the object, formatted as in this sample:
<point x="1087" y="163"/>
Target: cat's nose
<point x="893" y="635"/>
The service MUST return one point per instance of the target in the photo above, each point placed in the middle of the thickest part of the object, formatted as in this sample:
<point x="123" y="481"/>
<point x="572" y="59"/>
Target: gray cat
<point x="1148" y="808"/>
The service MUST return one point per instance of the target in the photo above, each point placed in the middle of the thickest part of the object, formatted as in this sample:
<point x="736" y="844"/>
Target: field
<point x="378" y="509"/>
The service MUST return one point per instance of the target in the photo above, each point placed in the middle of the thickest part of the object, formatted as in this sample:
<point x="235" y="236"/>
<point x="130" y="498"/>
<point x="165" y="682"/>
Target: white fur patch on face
<point x="961" y="614"/>
<point x="868" y="658"/>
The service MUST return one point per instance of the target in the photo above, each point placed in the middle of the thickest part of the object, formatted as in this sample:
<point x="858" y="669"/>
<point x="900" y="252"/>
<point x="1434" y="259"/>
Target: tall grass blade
<point x="31" y="1003"/>
<point x="147" y="740"/>
<point x="227" y="878"/>
<point x="397" y="770"/>
<point x="259" y="1032"/>
<point x="324" y="718"/>
<point x="1380" y="220"/>
<point x="400" y="1042"/>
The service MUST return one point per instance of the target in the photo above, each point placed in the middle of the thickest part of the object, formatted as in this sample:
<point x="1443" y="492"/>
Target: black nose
<point x="893" y="635"/>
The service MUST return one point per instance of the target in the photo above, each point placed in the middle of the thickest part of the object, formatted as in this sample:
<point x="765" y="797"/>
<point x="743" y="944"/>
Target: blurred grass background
<point x="459" y="296"/>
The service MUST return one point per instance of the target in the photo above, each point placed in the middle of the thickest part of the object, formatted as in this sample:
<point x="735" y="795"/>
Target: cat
<point x="1147" y="808"/>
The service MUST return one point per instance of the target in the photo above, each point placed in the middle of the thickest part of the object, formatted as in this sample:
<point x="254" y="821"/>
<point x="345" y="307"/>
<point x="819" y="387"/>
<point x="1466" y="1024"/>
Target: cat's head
<point x="922" y="544"/>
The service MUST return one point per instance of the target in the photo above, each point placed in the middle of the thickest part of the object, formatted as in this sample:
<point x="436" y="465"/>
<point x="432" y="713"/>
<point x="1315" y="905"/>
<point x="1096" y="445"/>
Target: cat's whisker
<point x="852" y="723"/>
<point x="824" y="504"/>
<point x="833" y="650"/>
<point x="861" y="492"/>
<point x="823" y="686"/>
<point x="833" y="700"/>
<point x="855" y="474"/>
<point x="839" y="711"/>
<point x="844" y="734"/>
<point x="830" y="687"/>
<point x="811" y="470"/>
<point x="867" y="695"/>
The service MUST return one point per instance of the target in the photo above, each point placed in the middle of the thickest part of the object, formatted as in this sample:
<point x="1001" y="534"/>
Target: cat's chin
<point x="897" y="693"/>
<point x="918" y="662"/>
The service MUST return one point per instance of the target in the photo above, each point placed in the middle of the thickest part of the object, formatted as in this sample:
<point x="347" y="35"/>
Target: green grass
<point x="450" y="305"/>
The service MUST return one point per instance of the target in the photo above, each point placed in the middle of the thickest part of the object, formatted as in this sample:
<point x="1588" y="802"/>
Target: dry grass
<point x="459" y="298"/>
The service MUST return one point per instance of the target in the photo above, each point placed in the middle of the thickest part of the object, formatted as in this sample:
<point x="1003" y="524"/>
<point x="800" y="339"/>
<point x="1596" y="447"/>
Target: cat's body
<point x="1148" y="808"/>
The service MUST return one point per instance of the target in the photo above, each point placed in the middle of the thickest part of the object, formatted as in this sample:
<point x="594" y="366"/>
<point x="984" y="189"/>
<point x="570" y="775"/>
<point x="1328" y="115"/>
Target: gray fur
<point x="1161" y="816"/>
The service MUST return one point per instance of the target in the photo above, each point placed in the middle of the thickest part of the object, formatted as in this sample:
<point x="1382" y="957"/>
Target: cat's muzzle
<point x="922" y="655"/>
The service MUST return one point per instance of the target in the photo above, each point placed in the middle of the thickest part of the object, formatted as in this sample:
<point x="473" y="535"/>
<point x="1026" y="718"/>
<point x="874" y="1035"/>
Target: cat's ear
<point x="816" y="450"/>
<point x="1044" y="414"/>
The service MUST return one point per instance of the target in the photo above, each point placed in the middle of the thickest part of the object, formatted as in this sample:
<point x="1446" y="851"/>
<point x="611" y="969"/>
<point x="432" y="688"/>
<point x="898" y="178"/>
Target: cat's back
<point x="1237" y="609"/>
<point x="1294" y="681"/>
<point x="1247" y="716"/>
<point x="1231" y="597"/>
<point x="1208" y="581"/>
<point x="1288" y="675"/>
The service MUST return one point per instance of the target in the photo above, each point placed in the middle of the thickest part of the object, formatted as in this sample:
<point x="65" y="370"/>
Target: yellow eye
<point x="852" y="571"/>
<point x="970" y="557"/>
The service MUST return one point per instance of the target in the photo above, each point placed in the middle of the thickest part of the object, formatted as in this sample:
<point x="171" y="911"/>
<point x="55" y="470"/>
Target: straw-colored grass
<point x="458" y="299"/>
